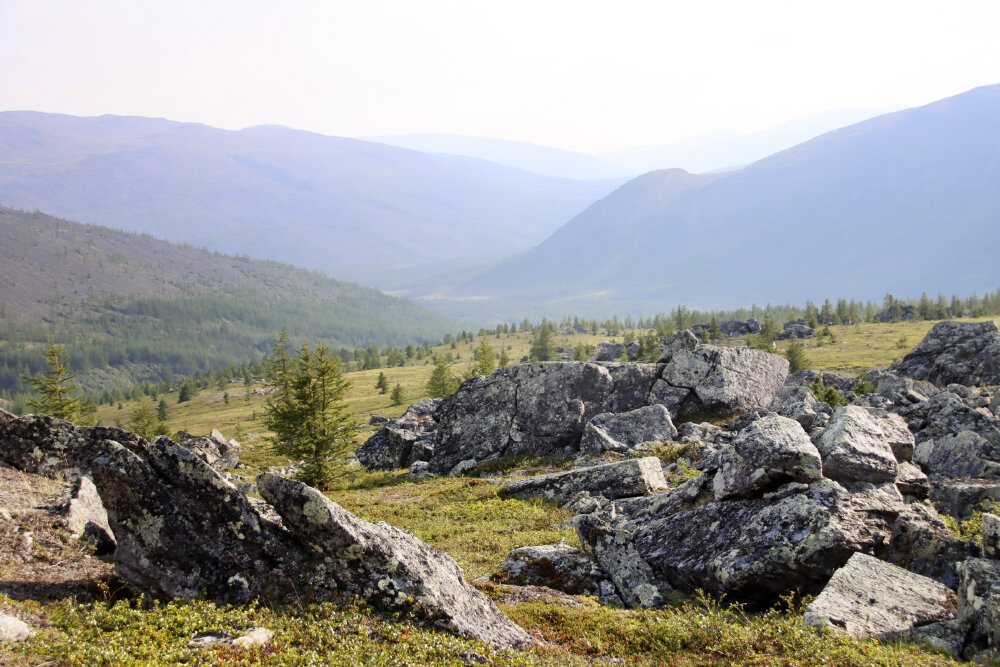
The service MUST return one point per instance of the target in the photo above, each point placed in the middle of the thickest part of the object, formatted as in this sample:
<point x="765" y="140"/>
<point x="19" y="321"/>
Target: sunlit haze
<point x="583" y="76"/>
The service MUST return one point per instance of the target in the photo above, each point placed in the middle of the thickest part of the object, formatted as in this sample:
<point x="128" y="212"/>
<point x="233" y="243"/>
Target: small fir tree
<point x="55" y="390"/>
<point x="504" y="359"/>
<point x="485" y="358"/>
<point x="143" y="421"/>
<point x="543" y="347"/>
<point x="161" y="410"/>
<point x="441" y="382"/>
<point x="397" y="395"/>
<point x="382" y="384"/>
<point x="796" y="356"/>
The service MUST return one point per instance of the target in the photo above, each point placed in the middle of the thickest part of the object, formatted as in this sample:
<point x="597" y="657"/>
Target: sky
<point x="577" y="75"/>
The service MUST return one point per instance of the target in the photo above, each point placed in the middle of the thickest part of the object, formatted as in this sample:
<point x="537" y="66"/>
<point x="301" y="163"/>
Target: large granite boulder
<point x="868" y="597"/>
<point x="796" y="329"/>
<point x="215" y="450"/>
<point x="625" y="432"/>
<point x="54" y="448"/>
<point x="622" y="479"/>
<point x="403" y="441"/>
<point x="965" y="353"/>
<point x="183" y="531"/>
<point x="560" y="567"/>
<point x="797" y="402"/>
<point x="769" y="453"/>
<point x="711" y="381"/>
<point x="856" y="448"/>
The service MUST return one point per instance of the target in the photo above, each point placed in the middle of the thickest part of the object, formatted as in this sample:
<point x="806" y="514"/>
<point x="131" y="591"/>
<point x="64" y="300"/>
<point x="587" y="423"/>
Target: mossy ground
<point x="465" y="518"/>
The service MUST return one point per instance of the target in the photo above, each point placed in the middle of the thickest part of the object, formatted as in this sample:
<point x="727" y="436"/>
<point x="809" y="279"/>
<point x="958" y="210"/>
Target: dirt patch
<point x="39" y="560"/>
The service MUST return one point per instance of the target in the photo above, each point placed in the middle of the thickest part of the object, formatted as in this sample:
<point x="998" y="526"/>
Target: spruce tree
<point x="543" y="347"/>
<point x="441" y="382"/>
<point x="397" y="395"/>
<point x="161" y="410"/>
<point x="143" y="421"/>
<point x="55" y="390"/>
<point x="382" y="384"/>
<point x="485" y="358"/>
<point x="504" y="359"/>
<point x="307" y="414"/>
<point x="796" y="356"/>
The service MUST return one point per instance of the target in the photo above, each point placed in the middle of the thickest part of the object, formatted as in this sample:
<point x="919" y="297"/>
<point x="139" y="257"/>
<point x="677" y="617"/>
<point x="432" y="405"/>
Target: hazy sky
<point x="579" y="75"/>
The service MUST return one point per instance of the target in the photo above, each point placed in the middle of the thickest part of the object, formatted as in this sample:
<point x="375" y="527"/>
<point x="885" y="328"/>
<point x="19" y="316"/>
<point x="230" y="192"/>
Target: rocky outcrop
<point x="623" y="479"/>
<point x="798" y="402"/>
<point x="86" y="518"/>
<point x="856" y="448"/>
<point x="871" y="598"/>
<point x="961" y="497"/>
<point x="795" y="330"/>
<point x="54" y="448"/>
<point x="966" y="353"/>
<point x="404" y="441"/>
<point x="183" y="531"/>
<point x="705" y="380"/>
<point x="216" y="450"/>
<point x="559" y="567"/>
<point x="627" y="431"/>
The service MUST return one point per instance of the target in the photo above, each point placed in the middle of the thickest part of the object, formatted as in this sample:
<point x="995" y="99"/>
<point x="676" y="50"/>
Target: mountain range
<point x="356" y="210"/>
<point x="905" y="202"/>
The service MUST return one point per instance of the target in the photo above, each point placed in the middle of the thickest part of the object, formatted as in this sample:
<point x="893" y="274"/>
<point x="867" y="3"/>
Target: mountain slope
<point x="905" y="202"/>
<point x="130" y="308"/>
<point x="530" y="157"/>
<point x="353" y="209"/>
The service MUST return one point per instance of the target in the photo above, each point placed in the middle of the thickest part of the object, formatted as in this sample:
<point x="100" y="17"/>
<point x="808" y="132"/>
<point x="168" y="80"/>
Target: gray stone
<point x="854" y="447"/>
<point x="978" y="595"/>
<point x="964" y="454"/>
<point x="900" y="390"/>
<point x="43" y="445"/>
<point x="754" y="549"/>
<point x="961" y="497"/>
<point x="947" y="636"/>
<point x="214" y="450"/>
<point x="922" y="543"/>
<point x="871" y="598"/>
<point x="966" y="353"/>
<point x="796" y="329"/>
<point x="633" y="477"/>
<point x="995" y="404"/>
<point x="387" y="449"/>
<point x="13" y="629"/>
<point x="796" y="402"/>
<point x="86" y="517"/>
<point x="607" y="351"/>
<point x="911" y="481"/>
<point x="626" y="431"/>
<point x="770" y="452"/>
<point x="559" y="567"/>
<point x="386" y="565"/>
<point x="991" y="536"/>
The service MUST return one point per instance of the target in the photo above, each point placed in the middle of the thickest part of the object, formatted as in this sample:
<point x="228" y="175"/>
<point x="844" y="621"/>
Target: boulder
<point x="559" y="567"/>
<point x="403" y="441"/>
<point x="214" y="450"/>
<point x="961" y="497"/>
<point x="868" y="597"/>
<point x="539" y="409"/>
<point x="911" y="481"/>
<point x="183" y="531"/>
<point x="979" y="601"/>
<point x="796" y="329"/>
<point x="622" y="479"/>
<point x="770" y="452"/>
<point x="716" y="381"/>
<point x="797" y="402"/>
<point x="13" y="629"/>
<point x="609" y="351"/>
<point x="735" y="328"/>
<point x="855" y="447"/>
<point x="923" y="544"/>
<point x="386" y="565"/>
<point x="900" y="390"/>
<point x="750" y="549"/>
<point x="842" y="382"/>
<point x="966" y="353"/>
<point x="86" y="517"/>
<point x="625" y="432"/>
<point x="43" y="445"/>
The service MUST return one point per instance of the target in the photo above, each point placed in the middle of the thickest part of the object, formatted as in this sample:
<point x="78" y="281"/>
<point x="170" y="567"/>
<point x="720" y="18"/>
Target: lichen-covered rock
<point x="922" y="543"/>
<point x="947" y="636"/>
<point x="965" y="353"/>
<point x="962" y="454"/>
<point x="86" y="517"/>
<point x="900" y="390"/>
<point x="403" y="441"/>
<point x="622" y="479"/>
<point x="559" y="567"/>
<point x="797" y="402"/>
<point x="961" y="497"/>
<point x="626" y="431"/>
<point x="911" y="481"/>
<point x="757" y="549"/>
<point x="720" y="381"/>
<point x="855" y="447"/>
<point x="842" y="382"/>
<point x="770" y="452"/>
<point x="386" y="565"/>
<point x="871" y="598"/>
<point x="43" y="445"/>
<point x="537" y="409"/>
<point x="991" y="536"/>
<point x="214" y="450"/>
<point x="979" y="601"/>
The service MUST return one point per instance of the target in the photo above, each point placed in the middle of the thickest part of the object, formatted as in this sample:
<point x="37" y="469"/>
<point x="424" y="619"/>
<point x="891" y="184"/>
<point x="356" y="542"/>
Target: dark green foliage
<point x="485" y="358"/>
<point x="543" y="346"/>
<point x="56" y="390"/>
<point x="185" y="393"/>
<point x="504" y="359"/>
<point x="143" y="421"/>
<point x="161" y="410"/>
<point x="863" y="386"/>
<point x="306" y="411"/>
<point x="397" y="395"/>
<point x="826" y="394"/>
<point x="382" y="384"/>
<point x="442" y="381"/>
<point x="796" y="356"/>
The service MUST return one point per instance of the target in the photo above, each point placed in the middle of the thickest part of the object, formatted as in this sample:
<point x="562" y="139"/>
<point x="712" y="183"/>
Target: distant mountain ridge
<point x="903" y="203"/>
<point x="131" y="308"/>
<point x="356" y="210"/>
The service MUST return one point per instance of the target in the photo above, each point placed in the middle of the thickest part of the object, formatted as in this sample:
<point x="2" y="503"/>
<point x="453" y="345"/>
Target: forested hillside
<point x="129" y="308"/>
